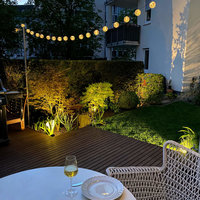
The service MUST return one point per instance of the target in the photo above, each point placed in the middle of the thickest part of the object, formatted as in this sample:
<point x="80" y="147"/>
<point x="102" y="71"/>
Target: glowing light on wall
<point x="105" y="29"/>
<point x="116" y="24"/>
<point x="126" y="19"/>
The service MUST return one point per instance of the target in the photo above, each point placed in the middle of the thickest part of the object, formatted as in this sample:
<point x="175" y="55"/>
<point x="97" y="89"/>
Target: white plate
<point x="102" y="188"/>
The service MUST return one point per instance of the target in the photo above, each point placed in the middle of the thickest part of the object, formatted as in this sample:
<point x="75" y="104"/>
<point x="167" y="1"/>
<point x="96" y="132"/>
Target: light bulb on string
<point x="105" y="29"/>
<point x="126" y="19"/>
<point x="88" y="35"/>
<point x="65" y="38"/>
<point x="59" y="39"/>
<point x="137" y="12"/>
<point x="53" y="38"/>
<point x="41" y="36"/>
<point x="48" y="37"/>
<point x="37" y="35"/>
<point x="28" y="30"/>
<point x="152" y="4"/>
<point x="32" y="32"/>
<point x="81" y="36"/>
<point x="72" y="38"/>
<point x="96" y="32"/>
<point x="22" y="25"/>
<point x="116" y="24"/>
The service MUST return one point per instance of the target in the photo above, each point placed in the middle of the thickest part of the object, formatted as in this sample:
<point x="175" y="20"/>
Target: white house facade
<point x="168" y="41"/>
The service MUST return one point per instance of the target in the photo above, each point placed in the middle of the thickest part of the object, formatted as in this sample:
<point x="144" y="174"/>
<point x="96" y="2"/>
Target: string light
<point x="22" y="25"/>
<point x="88" y="35"/>
<point x="53" y="38"/>
<point x="28" y="30"/>
<point x="81" y="36"/>
<point x="105" y="29"/>
<point x="137" y="12"/>
<point x="65" y="38"/>
<point x="17" y="30"/>
<point x="96" y="32"/>
<point x="32" y="32"/>
<point x="72" y="38"/>
<point x="37" y="35"/>
<point x="152" y="4"/>
<point x="48" y="37"/>
<point x="59" y="39"/>
<point x="116" y="24"/>
<point x="127" y="19"/>
<point x="41" y="36"/>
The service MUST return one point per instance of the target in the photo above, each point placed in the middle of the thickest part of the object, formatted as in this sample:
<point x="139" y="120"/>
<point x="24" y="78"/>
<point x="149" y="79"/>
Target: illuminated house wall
<point x="173" y="39"/>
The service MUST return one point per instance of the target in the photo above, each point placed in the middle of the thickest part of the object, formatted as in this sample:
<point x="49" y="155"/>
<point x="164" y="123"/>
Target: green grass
<point x="155" y="124"/>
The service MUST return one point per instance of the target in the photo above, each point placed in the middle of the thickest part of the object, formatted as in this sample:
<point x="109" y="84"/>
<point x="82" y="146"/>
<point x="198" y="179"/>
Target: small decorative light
<point x="41" y="36"/>
<point x="127" y="19"/>
<point x="65" y="38"/>
<point x="88" y="35"/>
<point x="72" y="38"/>
<point x="105" y="29"/>
<point x="22" y="25"/>
<point x="17" y="30"/>
<point x="96" y="32"/>
<point x="152" y="4"/>
<point x="59" y="39"/>
<point x="48" y="37"/>
<point x="37" y="35"/>
<point x="32" y="32"/>
<point x="116" y="24"/>
<point x="53" y="38"/>
<point x="81" y="36"/>
<point x="28" y="30"/>
<point x="138" y="12"/>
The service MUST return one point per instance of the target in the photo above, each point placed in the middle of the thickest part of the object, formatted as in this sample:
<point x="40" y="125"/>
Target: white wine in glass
<point x="70" y="170"/>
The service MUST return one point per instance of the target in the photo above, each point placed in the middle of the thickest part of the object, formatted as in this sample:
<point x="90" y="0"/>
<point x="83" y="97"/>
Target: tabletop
<point x="47" y="183"/>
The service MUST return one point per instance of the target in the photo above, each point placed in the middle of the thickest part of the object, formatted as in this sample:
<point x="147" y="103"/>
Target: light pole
<point x="26" y="73"/>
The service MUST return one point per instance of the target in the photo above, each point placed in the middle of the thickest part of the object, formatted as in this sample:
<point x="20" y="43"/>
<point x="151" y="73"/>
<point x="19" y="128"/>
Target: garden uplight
<point x="116" y="24"/>
<point x="22" y="25"/>
<point x="152" y="4"/>
<point x="72" y="38"/>
<point x="41" y="36"/>
<point x="137" y="12"/>
<point x="32" y="32"/>
<point x="65" y="38"/>
<point x="28" y="30"/>
<point x="96" y="32"/>
<point x="48" y="37"/>
<point x="81" y="36"/>
<point x="53" y="38"/>
<point x="59" y="39"/>
<point x="126" y="19"/>
<point x="37" y="35"/>
<point x="88" y="35"/>
<point x="105" y="29"/>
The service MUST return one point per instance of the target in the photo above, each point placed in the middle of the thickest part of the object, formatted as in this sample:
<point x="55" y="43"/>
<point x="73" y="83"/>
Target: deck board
<point x="95" y="149"/>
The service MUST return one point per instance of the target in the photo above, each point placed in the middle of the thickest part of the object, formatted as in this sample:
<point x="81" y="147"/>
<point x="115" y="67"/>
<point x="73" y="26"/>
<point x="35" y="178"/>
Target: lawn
<point x="155" y="124"/>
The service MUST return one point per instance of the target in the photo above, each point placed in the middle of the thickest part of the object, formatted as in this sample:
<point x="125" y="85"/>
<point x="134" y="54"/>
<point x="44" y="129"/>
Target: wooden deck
<point x="95" y="149"/>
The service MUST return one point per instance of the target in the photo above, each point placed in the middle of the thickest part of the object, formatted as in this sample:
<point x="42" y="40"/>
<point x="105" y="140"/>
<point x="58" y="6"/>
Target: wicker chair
<point x="177" y="179"/>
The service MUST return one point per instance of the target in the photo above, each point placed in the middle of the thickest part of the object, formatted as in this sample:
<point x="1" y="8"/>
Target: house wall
<point x="192" y="62"/>
<point x="165" y="37"/>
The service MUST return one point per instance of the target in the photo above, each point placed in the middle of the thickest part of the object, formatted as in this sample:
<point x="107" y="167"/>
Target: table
<point x="47" y="183"/>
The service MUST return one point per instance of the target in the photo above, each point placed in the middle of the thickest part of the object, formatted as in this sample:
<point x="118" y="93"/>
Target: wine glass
<point x="70" y="170"/>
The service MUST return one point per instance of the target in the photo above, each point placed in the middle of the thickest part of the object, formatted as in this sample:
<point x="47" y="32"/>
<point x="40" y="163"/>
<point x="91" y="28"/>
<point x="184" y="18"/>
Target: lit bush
<point x="128" y="100"/>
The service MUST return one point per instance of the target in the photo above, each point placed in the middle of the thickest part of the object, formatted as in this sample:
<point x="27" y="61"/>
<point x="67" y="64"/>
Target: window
<point x="146" y="58"/>
<point x="147" y="11"/>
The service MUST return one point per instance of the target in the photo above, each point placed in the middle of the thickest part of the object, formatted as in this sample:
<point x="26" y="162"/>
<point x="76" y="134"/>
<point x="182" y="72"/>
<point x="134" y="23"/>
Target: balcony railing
<point x="126" y="34"/>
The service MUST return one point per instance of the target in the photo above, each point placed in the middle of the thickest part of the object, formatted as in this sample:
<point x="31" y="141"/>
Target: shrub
<point x="149" y="88"/>
<point x="128" y="100"/>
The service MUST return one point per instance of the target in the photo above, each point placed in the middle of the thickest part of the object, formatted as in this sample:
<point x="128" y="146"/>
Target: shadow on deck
<point x="95" y="149"/>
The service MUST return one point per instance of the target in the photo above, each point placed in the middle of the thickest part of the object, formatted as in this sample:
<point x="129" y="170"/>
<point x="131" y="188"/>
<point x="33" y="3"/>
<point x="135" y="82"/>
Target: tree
<point x="60" y="18"/>
<point x="8" y="37"/>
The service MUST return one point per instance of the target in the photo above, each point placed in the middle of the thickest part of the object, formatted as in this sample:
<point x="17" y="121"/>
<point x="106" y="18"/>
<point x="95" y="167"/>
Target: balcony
<point x="125" y="35"/>
<point x="122" y="3"/>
